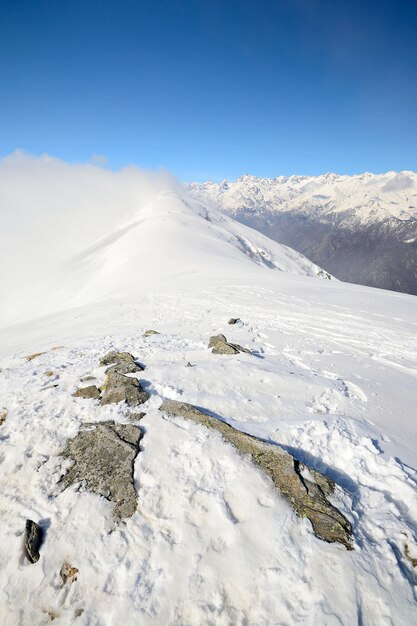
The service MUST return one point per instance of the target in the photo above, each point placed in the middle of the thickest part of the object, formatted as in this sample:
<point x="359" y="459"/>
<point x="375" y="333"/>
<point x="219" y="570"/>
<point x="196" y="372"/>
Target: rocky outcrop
<point x="220" y="345"/>
<point x="234" y="320"/>
<point x="305" y="491"/>
<point x="115" y="357"/>
<point x="103" y="456"/>
<point x="32" y="540"/>
<point x="121" y="388"/>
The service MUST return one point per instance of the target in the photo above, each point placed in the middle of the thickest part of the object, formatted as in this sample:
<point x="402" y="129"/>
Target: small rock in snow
<point x="220" y="345"/>
<point x="3" y="415"/>
<point x="87" y="392"/>
<point x="32" y="540"/>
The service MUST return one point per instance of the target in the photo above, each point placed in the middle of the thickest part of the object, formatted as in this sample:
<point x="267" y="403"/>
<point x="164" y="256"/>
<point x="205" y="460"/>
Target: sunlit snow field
<point x="331" y="377"/>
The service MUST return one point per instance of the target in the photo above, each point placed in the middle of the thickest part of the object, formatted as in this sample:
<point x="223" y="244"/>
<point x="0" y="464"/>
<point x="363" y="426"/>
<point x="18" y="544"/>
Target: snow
<point x="359" y="199"/>
<point x="332" y="378"/>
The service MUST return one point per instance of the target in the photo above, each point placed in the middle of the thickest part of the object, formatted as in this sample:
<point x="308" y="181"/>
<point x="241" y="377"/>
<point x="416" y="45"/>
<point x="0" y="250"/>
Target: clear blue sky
<point x="212" y="89"/>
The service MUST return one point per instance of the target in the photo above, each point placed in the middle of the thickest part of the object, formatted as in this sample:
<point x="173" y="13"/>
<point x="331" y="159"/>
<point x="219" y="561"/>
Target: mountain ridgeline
<point x="362" y="229"/>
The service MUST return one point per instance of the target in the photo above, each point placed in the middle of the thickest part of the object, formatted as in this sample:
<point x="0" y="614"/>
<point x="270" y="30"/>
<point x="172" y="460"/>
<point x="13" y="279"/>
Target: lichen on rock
<point x="306" y="496"/>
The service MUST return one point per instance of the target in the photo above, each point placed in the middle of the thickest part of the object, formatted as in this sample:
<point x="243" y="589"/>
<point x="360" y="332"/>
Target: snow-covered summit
<point x="364" y="197"/>
<point x="360" y="228"/>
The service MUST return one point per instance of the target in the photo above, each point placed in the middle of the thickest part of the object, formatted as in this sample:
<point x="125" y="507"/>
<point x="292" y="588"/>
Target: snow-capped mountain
<point x="361" y="229"/>
<point x="322" y="370"/>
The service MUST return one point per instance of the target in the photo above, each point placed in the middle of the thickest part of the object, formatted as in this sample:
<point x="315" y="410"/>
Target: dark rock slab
<point x="307" y="497"/>
<point x="32" y="540"/>
<point x="87" y="392"/>
<point x="234" y="320"/>
<point x="121" y="388"/>
<point x="103" y="456"/>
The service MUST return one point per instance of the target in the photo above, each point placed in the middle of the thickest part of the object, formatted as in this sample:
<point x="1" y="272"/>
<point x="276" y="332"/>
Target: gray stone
<point x="116" y="357"/>
<point x="234" y="320"/>
<point x="136" y="417"/>
<point x="103" y="456"/>
<point x="125" y="367"/>
<point x="86" y="392"/>
<point x="224" y="348"/>
<point x="149" y="333"/>
<point x="307" y="498"/>
<point x="32" y="540"/>
<point x="220" y="345"/>
<point x="120" y="388"/>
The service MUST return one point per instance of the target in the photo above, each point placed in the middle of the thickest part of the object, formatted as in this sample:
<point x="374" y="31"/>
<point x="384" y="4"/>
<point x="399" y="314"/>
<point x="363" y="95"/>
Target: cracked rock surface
<point x="103" y="456"/>
<point x="307" y="496"/>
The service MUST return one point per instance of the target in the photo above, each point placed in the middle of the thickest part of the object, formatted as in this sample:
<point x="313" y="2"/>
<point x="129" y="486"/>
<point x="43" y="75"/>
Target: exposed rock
<point x="3" y="415"/>
<point x="103" y="456"/>
<point x="32" y="540"/>
<point x="190" y="364"/>
<point x="49" y="373"/>
<point x="150" y="332"/>
<point x="220" y="345"/>
<point x="68" y="573"/>
<point x="87" y="392"/>
<point x="30" y="357"/>
<point x="120" y="388"/>
<point x="308" y="498"/>
<point x="125" y="367"/>
<point x="136" y="417"/>
<point x="234" y="320"/>
<point x="116" y="357"/>
<point x="224" y="348"/>
<point x="86" y="379"/>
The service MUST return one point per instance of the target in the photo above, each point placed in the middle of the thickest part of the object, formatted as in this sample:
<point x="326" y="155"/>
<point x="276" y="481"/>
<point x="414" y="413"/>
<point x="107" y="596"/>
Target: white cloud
<point x="50" y="210"/>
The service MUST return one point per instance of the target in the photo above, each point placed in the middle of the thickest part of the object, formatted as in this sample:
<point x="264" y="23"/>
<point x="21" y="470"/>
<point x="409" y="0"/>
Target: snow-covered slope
<point x="167" y="237"/>
<point x="331" y="377"/>
<point x="360" y="228"/>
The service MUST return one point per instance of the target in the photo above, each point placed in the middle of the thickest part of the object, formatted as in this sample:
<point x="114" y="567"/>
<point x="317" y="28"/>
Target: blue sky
<point x="212" y="89"/>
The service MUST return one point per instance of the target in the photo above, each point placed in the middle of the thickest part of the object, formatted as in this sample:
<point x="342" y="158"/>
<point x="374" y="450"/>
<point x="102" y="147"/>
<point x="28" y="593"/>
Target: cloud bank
<point x="52" y="210"/>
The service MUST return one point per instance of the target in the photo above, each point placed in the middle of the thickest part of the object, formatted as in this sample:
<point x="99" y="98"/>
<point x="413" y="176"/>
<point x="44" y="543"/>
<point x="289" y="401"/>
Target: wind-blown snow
<point x="332" y="378"/>
<point x="75" y="233"/>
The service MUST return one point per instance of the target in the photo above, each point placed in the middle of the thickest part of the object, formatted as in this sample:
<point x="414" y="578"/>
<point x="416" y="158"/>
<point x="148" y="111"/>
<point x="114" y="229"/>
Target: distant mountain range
<point x="361" y="229"/>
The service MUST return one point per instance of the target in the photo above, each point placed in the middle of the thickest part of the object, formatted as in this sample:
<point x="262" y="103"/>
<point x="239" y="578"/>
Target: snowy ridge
<point x="330" y="377"/>
<point x="170" y="236"/>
